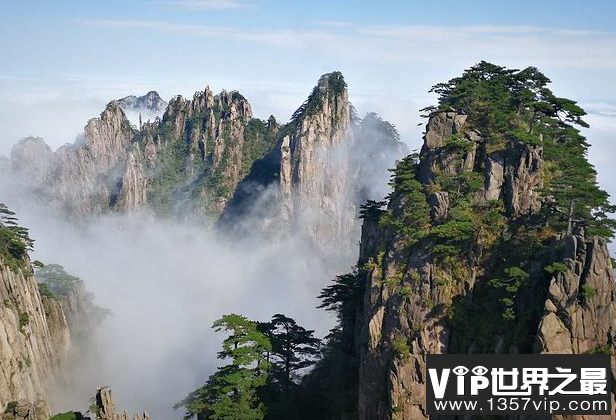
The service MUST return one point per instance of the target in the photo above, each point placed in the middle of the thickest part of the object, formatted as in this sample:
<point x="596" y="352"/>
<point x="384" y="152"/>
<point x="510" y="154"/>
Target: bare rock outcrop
<point x="580" y="310"/>
<point x="315" y="178"/>
<point x="34" y="338"/>
<point x="196" y="154"/>
<point x="31" y="157"/>
<point x="105" y="407"/>
<point x="511" y="173"/>
<point x="325" y="165"/>
<point x="412" y="297"/>
<point x="24" y="410"/>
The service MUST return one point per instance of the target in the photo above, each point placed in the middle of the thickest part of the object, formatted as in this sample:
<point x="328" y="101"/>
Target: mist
<point x="166" y="282"/>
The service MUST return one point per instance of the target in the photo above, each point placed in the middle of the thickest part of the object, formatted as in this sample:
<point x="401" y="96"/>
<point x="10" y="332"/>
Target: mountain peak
<point x="151" y="101"/>
<point x="333" y="82"/>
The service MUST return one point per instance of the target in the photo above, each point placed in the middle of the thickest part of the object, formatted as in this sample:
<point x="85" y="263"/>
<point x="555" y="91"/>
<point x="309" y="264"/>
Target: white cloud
<point x="415" y="43"/>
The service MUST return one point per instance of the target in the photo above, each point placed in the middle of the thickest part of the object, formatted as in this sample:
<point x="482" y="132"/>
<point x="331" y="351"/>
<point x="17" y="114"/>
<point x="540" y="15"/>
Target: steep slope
<point x="208" y="155"/>
<point x="187" y="163"/>
<point x="491" y="242"/>
<point x="139" y="109"/>
<point x="325" y="163"/>
<point x="34" y="336"/>
<point x="82" y="314"/>
<point x="105" y="407"/>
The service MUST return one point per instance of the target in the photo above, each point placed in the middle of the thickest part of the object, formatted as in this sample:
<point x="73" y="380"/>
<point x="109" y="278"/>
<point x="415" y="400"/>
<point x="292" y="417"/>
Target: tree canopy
<point x="517" y="105"/>
<point x="15" y="241"/>
<point x="260" y="380"/>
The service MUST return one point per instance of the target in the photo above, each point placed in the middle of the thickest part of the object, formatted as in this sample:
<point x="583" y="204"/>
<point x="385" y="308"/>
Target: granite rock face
<point x="314" y="169"/>
<point x="106" y="410"/>
<point x="406" y="311"/>
<point x="511" y="173"/>
<point x="31" y="157"/>
<point x="580" y="309"/>
<point x="24" y="410"/>
<point x="208" y="156"/>
<point x="34" y="339"/>
<point x="325" y="164"/>
<point x="197" y="151"/>
<point x="150" y="103"/>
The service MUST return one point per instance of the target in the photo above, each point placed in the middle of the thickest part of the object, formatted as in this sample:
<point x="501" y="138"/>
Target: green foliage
<point x="69" y="415"/>
<point x="93" y="407"/>
<point x="588" y="292"/>
<point x="372" y="210"/>
<point x="15" y="241"/>
<point x="414" y="221"/>
<point x="231" y="392"/>
<point x="330" y="389"/>
<point x="509" y="105"/>
<point x="457" y="142"/>
<point x="189" y="175"/>
<point x="556" y="267"/>
<point x="606" y="349"/>
<point x="343" y="296"/>
<point x="24" y="319"/>
<point x="259" y="138"/>
<point x="11" y="406"/>
<point x="405" y="291"/>
<point x="400" y="347"/>
<point x="514" y="278"/>
<point x="294" y="349"/>
<point x="330" y="84"/>
<point x="56" y="279"/>
<point x="45" y="291"/>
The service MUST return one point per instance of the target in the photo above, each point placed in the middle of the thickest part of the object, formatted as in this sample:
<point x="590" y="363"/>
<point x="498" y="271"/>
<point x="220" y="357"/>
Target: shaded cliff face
<point x="34" y="337"/>
<point x="208" y="155"/>
<point x="479" y="251"/>
<point x="187" y="163"/>
<point x="420" y="302"/>
<point x="314" y="168"/>
<point x="326" y="162"/>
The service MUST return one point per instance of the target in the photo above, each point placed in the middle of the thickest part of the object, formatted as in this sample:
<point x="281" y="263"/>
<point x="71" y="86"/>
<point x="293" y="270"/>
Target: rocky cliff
<point x="208" y="155"/>
<point x="83" y="316"/>
<point x="188" y="162"/>
<point x="315" y="178"/>
<point x="479" y="251"/>
<point x="141" y="109"/>
<point x="105" y="407"/>
<point x="34" y="338"/>
<point x="24" y="410"/>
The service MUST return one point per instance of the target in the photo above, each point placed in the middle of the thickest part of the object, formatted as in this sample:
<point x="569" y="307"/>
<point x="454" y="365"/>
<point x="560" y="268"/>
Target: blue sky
<point x="61" y="61"/>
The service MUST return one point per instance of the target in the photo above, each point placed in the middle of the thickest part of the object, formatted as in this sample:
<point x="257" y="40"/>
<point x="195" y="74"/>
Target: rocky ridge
<point x="209" y="156"/>
<point x="311" y="183"/>
<point x="195" y="154"/>
<point x="105" y="407"/>
<point x="412" y="298"/>
<point x="150" y="103"/>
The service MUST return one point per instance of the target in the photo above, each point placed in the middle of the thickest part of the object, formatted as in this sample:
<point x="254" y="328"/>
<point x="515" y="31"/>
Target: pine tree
<point x="15" y="241"/>
<point x="509" y="105"/>
<point x="231" y="392"/>
<point x="293" y="347"/>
